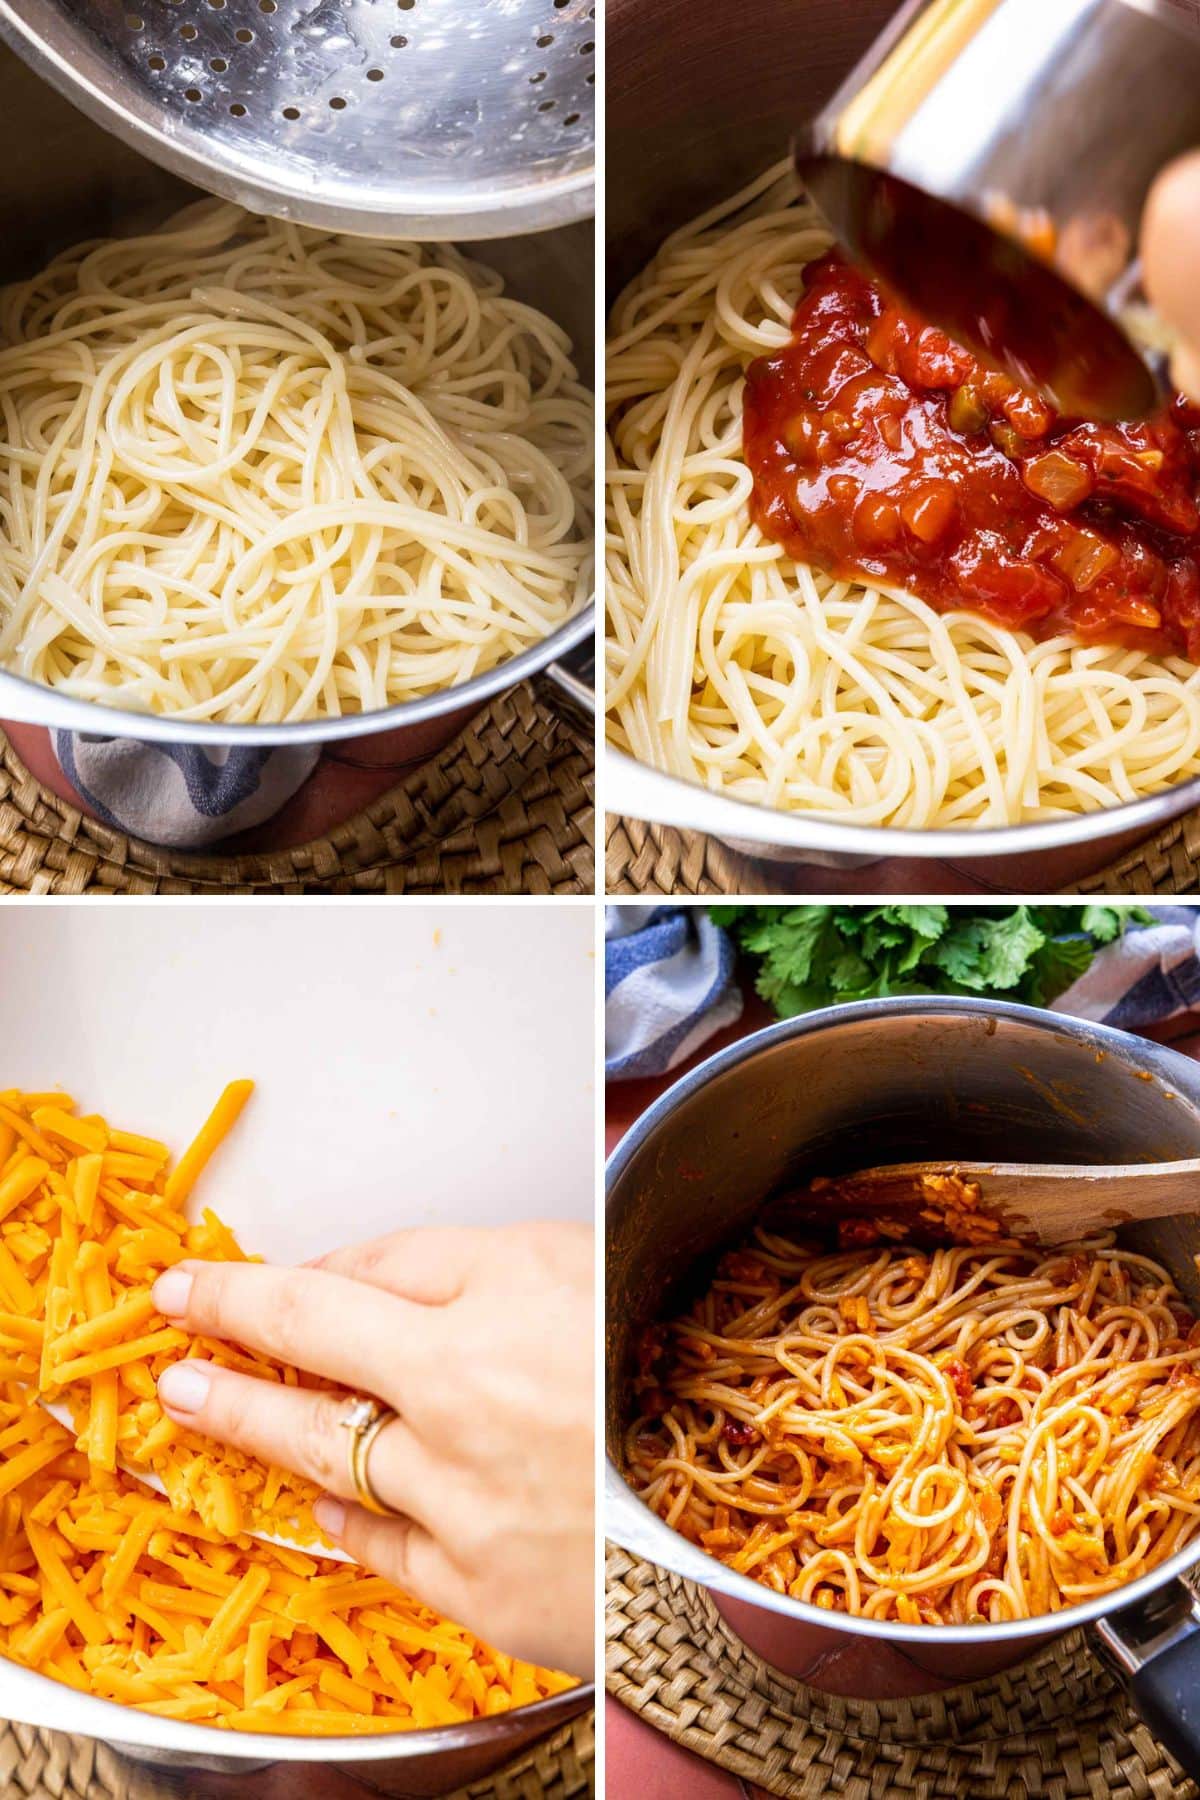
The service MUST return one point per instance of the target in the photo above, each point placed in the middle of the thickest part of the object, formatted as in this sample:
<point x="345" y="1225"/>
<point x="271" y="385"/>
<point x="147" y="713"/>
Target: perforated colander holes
<point x="337" y="102"/>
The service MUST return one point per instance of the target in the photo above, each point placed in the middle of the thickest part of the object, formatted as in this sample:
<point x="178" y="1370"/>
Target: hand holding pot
<point x="481" y="1340"/>
<point x="1171" y="258"/>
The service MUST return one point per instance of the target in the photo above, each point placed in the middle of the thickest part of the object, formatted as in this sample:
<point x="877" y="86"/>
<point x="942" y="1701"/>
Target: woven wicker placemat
<point x="507" y="808"/>
<point x="49" y="1765"/>
<point x="1167" y="863"/>
<point x="657" y="859"/>
<point x="1053" y="1727"/>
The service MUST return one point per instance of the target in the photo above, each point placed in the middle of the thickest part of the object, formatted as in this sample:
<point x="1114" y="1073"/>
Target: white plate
<point x="415" y="1063"/>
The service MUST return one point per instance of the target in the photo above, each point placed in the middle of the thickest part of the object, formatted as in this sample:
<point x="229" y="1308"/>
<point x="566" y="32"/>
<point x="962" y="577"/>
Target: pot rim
<point x="649" y="1535"/>
<point x="87" y="1715"/>
<point x="636" y="790"/>
<point x="30" y="703"/>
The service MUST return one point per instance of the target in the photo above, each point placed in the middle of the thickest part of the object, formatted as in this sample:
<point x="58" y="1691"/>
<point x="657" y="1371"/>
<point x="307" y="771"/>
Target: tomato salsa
<point x="878" y="447"/>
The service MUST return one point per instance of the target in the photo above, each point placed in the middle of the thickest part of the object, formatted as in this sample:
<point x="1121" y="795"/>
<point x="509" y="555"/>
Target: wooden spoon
<point x="969" y="1202"/>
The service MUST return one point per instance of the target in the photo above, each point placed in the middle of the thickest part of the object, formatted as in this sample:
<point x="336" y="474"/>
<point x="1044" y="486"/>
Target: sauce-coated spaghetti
<point x="964" y="1435"/>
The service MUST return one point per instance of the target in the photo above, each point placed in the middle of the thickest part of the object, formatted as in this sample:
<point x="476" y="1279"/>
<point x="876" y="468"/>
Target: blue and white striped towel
<point x="669" y="982"/>
<point x="668" y="986"/>
<point x="1150" y="974"/>
<point x="179" y="794"/>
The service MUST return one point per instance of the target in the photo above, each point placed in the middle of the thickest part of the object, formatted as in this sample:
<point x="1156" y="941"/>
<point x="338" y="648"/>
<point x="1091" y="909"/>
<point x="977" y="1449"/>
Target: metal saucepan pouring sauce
<point x="989" y="160"/>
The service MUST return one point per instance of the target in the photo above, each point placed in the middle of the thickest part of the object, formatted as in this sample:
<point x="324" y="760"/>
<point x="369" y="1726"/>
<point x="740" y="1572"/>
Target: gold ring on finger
<point x="364" y="1419"/>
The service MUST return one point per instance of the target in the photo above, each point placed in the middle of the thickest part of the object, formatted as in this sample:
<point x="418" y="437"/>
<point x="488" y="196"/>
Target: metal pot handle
<point x="568" y="688"/>
<point x="632" y="1525"/>
<point x="1153" y="1647"/>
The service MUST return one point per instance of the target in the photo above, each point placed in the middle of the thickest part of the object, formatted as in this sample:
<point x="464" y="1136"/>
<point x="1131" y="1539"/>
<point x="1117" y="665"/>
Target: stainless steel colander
<point x="401" y="118"/>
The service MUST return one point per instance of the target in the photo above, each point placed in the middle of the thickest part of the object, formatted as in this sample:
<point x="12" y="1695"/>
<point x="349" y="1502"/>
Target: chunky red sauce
<point x="879" y="447"/>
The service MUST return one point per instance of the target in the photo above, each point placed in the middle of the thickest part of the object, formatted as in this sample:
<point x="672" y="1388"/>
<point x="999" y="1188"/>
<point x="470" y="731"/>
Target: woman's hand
<point x="482" y="1342"/>
<point x="1171" y="263"/>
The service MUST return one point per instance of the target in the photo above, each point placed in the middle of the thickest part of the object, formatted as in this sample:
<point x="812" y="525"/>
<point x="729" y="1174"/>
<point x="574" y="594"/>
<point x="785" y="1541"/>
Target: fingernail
<point x="184" y="1386"/>
<point x="1185" y="372"/>
<point x="329" y="1513"/>
<point x="172" y="1292"/>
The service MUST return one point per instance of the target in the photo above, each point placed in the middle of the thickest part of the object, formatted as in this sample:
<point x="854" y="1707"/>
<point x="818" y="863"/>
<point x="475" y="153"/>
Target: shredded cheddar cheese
<point x="165" y="1604"/>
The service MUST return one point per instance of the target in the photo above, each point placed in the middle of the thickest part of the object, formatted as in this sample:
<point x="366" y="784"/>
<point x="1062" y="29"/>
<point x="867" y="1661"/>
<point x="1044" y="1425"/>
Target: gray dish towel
<point x="180" y="795"/>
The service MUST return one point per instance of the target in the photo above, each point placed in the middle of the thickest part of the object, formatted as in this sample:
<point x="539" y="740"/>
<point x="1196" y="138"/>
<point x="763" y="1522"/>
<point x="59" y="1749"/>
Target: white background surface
<point x="401" y="1081"/>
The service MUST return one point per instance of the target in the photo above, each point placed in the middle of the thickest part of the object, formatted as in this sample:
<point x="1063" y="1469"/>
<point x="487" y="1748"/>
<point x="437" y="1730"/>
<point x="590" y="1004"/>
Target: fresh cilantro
<point x="1053" y="968"/>
<point x="848" y="973"/>
<point x="1009" y="946"/>
<point x="1104" y="923"/>
<point x="959" y="956"/>
<point x="810" y="956"/>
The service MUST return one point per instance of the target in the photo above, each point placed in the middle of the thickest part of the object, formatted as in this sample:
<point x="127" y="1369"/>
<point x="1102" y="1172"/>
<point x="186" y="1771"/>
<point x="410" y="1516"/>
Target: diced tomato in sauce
<point x="960" y="1379"/>
<point x="879" y="447"/>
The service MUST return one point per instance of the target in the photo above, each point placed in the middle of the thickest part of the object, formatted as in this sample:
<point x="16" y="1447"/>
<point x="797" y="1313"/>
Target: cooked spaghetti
<point x="974" y="1434"/>
<point x="252" y="473"/>
<point x="767" y="680"/>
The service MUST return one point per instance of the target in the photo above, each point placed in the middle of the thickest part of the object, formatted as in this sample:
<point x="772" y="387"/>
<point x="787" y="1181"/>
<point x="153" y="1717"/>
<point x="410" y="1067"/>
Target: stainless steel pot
<point x="404" y="1763"/>
<point x="695" y="109"/>
<point x="411" y="1765"/>
<point x="63" y="178"/>
<point x="879" y="1082"/>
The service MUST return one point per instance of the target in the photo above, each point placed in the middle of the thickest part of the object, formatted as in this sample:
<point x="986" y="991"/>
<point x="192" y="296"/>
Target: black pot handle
<point x="1154" y="1648"/>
